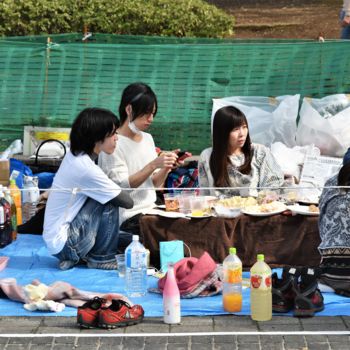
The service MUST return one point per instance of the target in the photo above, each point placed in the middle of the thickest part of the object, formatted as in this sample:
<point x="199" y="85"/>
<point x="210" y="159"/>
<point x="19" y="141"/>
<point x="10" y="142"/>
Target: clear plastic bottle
<point x="13" y="213"/>
<point x="260" y="290"/>
<point x="17" y="198"/>
<point x="232" y="287"/>
<point x="171" y="298"/>
<point x="135" y="268"/>
<point x="5" y="221"/>
<point x="30" y="197"/>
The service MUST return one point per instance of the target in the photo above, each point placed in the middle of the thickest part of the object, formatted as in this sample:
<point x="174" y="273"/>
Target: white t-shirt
<point x="62" y="206"/>
<point x="128" y="158"/>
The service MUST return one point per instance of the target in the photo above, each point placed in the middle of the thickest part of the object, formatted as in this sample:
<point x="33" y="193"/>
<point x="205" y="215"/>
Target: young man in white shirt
<point x="82" y="212"/>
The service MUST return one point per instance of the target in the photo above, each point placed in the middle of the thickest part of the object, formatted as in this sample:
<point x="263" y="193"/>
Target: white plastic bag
<point x="325" y="122"/>
<point x="291" y="160"/>
<point x="270" y="119"/>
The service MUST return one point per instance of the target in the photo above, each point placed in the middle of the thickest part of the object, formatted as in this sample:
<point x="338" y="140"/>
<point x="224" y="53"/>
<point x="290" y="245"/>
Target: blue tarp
<point x="29" y="260"/>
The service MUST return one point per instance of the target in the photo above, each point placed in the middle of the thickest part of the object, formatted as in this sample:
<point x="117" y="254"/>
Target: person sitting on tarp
<point x="81" y="221"/>
<point x="334" y="227"/>
<point x="233" y="161"/>
<point x="135" y="163"/>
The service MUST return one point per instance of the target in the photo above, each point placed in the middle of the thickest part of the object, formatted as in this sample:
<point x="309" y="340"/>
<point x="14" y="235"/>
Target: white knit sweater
<point x="128" y="158"/>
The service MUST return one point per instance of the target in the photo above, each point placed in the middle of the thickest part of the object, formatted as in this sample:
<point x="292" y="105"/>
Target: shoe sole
<point x="281" y="309"/>
<point x="121" y="324"/>
<point x="307" y="312"/>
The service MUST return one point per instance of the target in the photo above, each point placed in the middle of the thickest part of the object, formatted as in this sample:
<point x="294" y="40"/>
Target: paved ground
<point x="219" y="332"/>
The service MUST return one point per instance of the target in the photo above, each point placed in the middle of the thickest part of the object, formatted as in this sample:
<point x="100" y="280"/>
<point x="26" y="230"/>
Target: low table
<point x="283" y="239"/>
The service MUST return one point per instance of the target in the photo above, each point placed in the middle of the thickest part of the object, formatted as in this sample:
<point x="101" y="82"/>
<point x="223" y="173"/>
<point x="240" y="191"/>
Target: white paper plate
<point x="198" y="217"/>
<point x="226" y="212"/>
<point x="302" y="210"/>
<point x="280" y="210"/>
<point x="166" y="214"/>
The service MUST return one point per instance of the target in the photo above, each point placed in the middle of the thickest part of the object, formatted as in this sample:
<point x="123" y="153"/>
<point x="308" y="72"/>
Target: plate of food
<point x="194" y="216"/>
<point x="266" y="209"/>
<point x="308" y="200"/>
<point x="236" y="202"/>
<point x="226" y="212"/>
<point x="311" y="210"/>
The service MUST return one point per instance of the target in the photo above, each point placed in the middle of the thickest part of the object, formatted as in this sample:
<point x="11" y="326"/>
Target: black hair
<point x="92" y="125"/>
<point x="142" y="100"/>
<point x="344" y="175"/>
<point x="225" y="120"/>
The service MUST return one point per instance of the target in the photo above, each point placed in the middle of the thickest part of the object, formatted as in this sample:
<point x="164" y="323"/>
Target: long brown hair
<point x="225" y="120"/>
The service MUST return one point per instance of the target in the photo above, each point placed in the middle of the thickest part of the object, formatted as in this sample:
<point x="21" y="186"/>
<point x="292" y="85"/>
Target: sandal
<point x="308" y="299"/>
<point x="283" y="293"/>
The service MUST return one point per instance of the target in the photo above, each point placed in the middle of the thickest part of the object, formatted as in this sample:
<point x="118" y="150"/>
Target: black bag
<point x="47" y="167"/>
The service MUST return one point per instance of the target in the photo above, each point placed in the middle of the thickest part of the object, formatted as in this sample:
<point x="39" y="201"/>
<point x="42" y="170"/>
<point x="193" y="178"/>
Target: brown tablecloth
<point x="284" y="239"/>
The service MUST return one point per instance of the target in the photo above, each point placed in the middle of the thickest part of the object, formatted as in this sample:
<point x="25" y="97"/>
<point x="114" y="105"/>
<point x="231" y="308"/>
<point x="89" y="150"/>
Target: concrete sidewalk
<point x="218" y="332"/>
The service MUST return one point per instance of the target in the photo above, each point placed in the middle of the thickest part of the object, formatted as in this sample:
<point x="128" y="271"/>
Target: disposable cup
<point x="171" y="202"/>
<point x="120" y="258"/>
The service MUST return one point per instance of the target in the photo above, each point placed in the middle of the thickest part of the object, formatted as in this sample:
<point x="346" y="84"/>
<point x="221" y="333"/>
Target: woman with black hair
<point x="81" y="217"/>
<point x="334" y="227"/>
<point x="135" y="163"/>
<point x="233" y="161"/>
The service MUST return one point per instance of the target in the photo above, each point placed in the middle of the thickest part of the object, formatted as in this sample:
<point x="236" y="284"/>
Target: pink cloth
<point x="191" y="272"/>
<point x="58" y="291"/>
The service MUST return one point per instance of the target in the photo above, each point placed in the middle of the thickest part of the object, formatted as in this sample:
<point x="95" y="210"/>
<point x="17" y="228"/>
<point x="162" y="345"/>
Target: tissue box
<point x="4" y="172"/>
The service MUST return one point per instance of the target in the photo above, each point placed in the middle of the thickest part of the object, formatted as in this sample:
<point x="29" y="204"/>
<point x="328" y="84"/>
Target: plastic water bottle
<point x="135" y="268"/>
<point x="17" y="198"/>
<point x="13" y="213"/>
<point x="30" y="197"/>
<point x="171" y="298"/>
<point x="232" y="288"/>
<point x="5" y="221"/>
<point x="260" y="290"/>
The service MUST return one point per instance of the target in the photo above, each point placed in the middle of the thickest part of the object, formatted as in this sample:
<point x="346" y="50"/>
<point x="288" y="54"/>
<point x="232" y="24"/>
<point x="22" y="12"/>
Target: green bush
<point x="139" y="17"/>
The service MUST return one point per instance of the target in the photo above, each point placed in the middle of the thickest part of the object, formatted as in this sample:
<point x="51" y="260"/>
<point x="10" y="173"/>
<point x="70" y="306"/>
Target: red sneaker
<point x="120" y="314"/>
<point x="87" y="314"/>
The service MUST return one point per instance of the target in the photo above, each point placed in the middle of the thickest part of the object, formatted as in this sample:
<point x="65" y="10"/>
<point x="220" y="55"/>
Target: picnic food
<point x="313" y="208"/>
<point x="237" y="202"/>
<point x="265" y="208"/>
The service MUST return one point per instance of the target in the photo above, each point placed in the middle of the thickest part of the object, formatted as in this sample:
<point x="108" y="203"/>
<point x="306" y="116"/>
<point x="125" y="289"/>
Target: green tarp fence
<point x="48" y="84"/>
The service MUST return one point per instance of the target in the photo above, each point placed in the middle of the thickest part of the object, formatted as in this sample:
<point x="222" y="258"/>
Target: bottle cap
<point x="233" y="250"/>
<point x="12" y="182"/>
<point x="135" y="237"/>
<point x="261" y="257"/>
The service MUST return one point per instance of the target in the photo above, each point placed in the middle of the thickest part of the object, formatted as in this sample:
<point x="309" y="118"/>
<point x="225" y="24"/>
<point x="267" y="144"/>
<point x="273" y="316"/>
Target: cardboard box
<point x="4" y="172"/>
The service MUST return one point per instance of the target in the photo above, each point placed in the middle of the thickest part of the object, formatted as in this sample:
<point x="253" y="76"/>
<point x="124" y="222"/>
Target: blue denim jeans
<point x="345" y="32"/>
<point x="93" y="235"/>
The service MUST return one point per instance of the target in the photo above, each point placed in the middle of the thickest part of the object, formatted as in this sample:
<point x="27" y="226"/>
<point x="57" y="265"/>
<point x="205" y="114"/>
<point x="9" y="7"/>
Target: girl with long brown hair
<point x="233" y="161"/>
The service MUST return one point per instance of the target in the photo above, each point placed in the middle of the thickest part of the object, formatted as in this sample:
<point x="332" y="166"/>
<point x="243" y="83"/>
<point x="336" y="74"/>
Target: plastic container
<point x="5" y="221"/>
<point x="232" y="287"/>
<point x="17" y="198"/>
<point x="135" y="268"/>
<point x="13" y="213"/>
<point x="171" y="298"/>
<point x="260" y="290"/>
<point x="30" y="197"/>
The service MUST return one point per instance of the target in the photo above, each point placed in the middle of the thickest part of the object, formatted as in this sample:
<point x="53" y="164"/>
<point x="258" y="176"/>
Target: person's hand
<point x="182" y="155"/>
<point x="346" y="21"/>
<point x="165" y="160"/>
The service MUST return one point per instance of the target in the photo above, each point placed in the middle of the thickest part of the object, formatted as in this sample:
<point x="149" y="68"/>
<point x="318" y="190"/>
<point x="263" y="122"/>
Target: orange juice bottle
<point x="232" y="288"/>
<point x="16" y="196"/>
